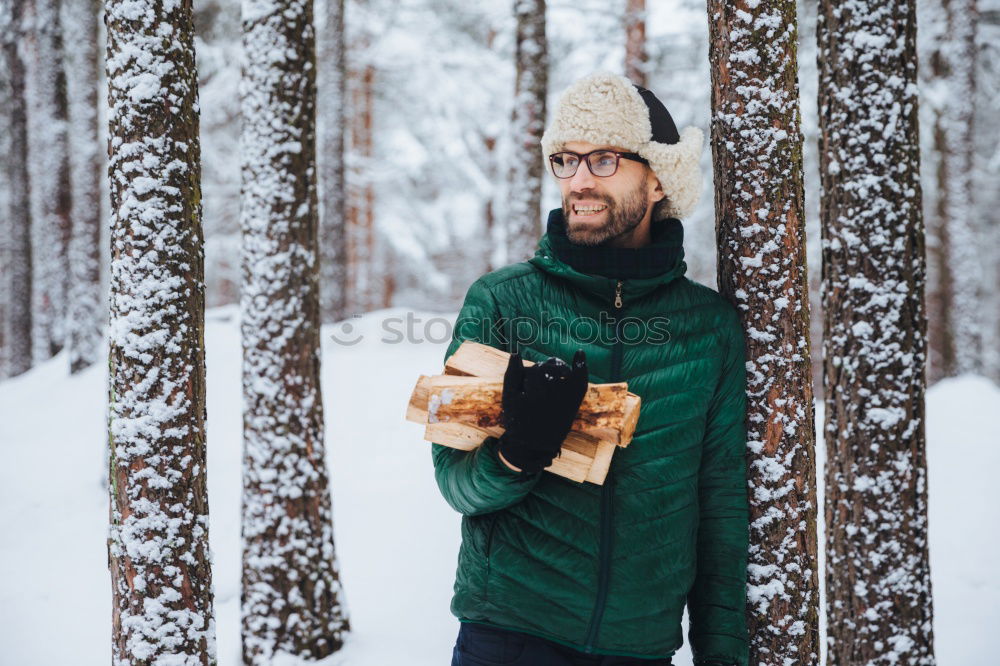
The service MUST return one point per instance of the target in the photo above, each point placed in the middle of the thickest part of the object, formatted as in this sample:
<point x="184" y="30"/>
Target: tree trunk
<point x="48" y="163"/>
<point x="757" y="150"/>
<point x="635" y="41"/>
<point x="361" y="196"/>
<point x="524" y="181"/>
<point x="16" y="289"/>
<point x="489" y="206"/>
<point x="161" y="577"/>
<point x="292" y="597"/>
<point x="86" y="313"/>
<point x="940" y="305"/>
<point x="332" y="73"/>
<point x="368" y="292"/>
<point x="878" y="587"/>
<point x="957" y="344"/>
<point x="941" y="345"/>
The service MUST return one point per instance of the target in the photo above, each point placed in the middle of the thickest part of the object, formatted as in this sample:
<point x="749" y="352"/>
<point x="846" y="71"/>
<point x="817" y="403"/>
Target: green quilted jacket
<point x="608" y="569"/>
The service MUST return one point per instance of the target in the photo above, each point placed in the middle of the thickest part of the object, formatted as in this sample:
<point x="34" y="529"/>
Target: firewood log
<point x="604" y="412"/>
<point x="475" y="359"/>
<point x="462" y="408"/>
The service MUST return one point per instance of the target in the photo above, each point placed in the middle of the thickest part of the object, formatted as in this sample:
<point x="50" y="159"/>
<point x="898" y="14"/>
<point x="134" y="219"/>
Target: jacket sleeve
<point x="477" y="482"/>
<point x="717" y="600"/>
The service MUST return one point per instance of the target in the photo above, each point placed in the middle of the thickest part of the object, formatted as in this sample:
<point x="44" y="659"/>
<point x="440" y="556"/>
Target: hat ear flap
<point x="660" y="120"/>
<point x="677" y="168"/>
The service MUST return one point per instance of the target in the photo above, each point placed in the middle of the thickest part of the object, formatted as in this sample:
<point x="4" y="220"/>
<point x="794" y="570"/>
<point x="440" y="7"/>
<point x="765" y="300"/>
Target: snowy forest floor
<point x="396" y="539"/>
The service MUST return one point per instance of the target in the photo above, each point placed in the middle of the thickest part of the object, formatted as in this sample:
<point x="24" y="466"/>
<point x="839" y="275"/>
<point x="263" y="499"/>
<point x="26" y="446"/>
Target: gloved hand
<point x="539" y="405"/>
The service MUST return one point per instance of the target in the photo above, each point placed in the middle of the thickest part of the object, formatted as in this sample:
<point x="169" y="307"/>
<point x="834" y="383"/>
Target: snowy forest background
<point x="435" y="79"/>
<point x="442" y="149"/>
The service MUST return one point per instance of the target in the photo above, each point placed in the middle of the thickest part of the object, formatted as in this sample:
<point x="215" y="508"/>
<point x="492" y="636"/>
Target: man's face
<point x="606" y="210"/>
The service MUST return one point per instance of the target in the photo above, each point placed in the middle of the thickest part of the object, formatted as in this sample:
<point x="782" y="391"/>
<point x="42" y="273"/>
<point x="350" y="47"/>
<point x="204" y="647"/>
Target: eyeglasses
<point x="602" y="163"/>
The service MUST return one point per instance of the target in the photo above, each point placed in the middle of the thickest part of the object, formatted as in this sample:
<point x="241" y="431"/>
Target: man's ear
<point x="657" y="193"/>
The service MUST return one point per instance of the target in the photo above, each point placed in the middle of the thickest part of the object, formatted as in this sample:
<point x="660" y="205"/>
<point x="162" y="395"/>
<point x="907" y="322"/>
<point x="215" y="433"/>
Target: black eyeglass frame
<point x="585" y="157"/>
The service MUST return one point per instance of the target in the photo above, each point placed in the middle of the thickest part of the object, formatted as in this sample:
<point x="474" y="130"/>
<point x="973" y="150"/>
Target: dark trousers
<point x="479" y="645"/>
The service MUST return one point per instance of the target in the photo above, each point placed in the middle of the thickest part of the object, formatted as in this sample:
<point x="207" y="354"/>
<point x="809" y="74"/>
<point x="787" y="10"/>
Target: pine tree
<point x="85" y="307"/>
<point x="161" y="580"/>
<point x="16" y="270"/>
<point x="524" y="180"/>
<point x="489" y="165"/>
<point x="48" y="164"/>
<point x="757" y="151"/>
<point x="635" y="41"/>
<point x="987" y="123"/>
<point x="332" y="90"/>
<point x="292" y="599"/>
<point x="878" y="584"/>
<point x="360" y="284"/>
<point x="956" y="336"/>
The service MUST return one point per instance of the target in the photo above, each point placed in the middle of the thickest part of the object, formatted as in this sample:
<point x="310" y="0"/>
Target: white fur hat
<point x="608" y="109"/>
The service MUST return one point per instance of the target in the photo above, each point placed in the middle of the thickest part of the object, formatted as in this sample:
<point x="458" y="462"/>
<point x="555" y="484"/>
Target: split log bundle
<point x="462" y="407"/>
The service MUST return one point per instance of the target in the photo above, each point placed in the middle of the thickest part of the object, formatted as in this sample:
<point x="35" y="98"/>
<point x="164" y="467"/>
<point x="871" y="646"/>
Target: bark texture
<point x="636" y="58"/>
<point x="16" y="289"/>
<point x="332" y="75"/>
<point x="524" y="180"/>
<point x="49" y="172"/>
<point x="757" y="151"/>
<point x="161" y="578"/>
<point x="292" y="601"/>
<point x="361" y="271"/>
<point x="85" y="308"/>
<point x="878" y="587"/>
<point x="957" y="333"/>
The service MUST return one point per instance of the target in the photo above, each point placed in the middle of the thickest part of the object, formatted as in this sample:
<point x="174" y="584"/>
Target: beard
<point x="623" y="216"/>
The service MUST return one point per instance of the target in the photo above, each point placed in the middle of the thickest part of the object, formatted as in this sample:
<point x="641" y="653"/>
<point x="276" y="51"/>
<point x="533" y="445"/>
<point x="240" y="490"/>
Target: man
<point x="553" y="572"/>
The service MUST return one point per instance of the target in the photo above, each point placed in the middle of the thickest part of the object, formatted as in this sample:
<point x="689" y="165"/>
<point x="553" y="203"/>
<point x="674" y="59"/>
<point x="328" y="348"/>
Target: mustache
<point x="606" y="199"/>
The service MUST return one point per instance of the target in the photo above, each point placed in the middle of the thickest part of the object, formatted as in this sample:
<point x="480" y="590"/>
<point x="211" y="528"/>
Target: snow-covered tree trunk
<point x="332" y="90"/>
<point x="48" y="165"/>
<point x="16" y="271"/>
<point x="878" y="587"/>
<point x="161" y="578"/>
<point x="292" y="600"/>
<point x="524" y="179"/>
<point x="760" y="229"/>
<point x="956" y="342"/>
<point x="635" y="41"/>
<point x="85" y="308"/>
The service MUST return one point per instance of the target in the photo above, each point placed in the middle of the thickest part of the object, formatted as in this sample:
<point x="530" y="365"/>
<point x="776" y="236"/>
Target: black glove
<point x="539" y="405"/>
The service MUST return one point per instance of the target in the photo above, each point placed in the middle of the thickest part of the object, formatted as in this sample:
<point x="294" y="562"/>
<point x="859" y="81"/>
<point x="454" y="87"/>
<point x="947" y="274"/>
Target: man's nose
<point x="582" y="179"/>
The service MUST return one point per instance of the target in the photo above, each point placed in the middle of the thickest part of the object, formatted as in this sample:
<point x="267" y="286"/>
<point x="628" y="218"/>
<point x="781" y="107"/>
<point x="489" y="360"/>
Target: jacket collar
<point x="598" y="269"/>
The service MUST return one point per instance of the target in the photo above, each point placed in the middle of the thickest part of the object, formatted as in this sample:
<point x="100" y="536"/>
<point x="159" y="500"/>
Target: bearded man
<point x="556" y="573"/>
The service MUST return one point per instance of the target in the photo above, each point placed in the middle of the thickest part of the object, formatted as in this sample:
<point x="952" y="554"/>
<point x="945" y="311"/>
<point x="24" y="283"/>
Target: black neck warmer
<point x="662" y="254"/>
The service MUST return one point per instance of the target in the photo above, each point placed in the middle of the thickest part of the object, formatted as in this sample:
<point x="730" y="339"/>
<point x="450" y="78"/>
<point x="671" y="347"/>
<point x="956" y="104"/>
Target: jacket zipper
<point x="489" y="557"/>
<point x="607" y="493"/>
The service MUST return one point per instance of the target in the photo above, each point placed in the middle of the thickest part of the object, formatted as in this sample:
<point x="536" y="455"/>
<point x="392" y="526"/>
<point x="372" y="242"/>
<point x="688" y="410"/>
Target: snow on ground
<point x="396" y="538"/>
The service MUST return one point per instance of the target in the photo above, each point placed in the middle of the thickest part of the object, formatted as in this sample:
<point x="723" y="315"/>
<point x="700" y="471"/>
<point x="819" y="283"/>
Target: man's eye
<point x="605" y="159"/>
